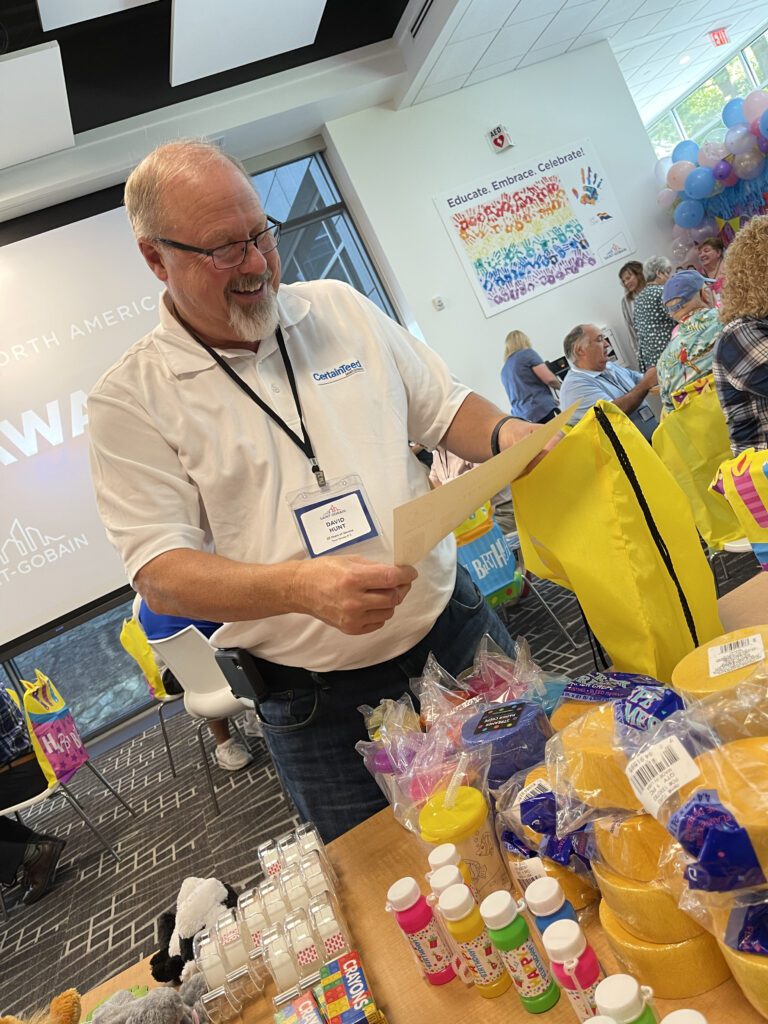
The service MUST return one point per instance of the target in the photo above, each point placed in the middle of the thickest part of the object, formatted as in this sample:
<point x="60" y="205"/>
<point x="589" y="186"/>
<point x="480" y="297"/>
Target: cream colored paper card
<point x="423" y="522"/>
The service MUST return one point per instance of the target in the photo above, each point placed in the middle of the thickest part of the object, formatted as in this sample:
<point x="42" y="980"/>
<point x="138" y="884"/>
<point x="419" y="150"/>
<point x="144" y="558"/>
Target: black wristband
<point x="495" y="435"/>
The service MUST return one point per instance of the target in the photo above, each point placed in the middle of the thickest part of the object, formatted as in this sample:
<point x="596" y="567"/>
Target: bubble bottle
<point x="546" y="901"/>
<point x="622" y="998"/>
<point x="417" y="922"/>
<point x="574" y="965"/>
<point x="446" y="854"/>
<point x="685" y="1017"/>
<point x="462" y="918"/>
<point x="511" y="936"/>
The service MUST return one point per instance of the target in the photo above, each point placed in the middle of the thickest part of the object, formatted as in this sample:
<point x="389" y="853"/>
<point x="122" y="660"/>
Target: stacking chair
<point x="206" y="692"/>
<point x="513" y="543"/>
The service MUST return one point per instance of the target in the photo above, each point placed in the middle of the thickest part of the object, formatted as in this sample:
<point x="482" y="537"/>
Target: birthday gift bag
<point x="743" y="482"/>
<point x="135" y="643"/>
<point x="55" y="739"/>
<point x="602" y="516"/>
<point x="692" y="442"/>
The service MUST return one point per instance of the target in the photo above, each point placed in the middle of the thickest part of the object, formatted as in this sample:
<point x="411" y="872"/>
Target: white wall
<point x="390" y="164"/>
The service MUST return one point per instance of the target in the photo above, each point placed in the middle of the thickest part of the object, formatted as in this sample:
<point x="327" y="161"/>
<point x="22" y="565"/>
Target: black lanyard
<point x="303" y="442"/>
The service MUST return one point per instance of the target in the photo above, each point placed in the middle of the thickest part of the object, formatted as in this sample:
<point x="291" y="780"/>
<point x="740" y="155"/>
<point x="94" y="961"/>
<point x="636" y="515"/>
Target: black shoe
<point x="40" y="871"/>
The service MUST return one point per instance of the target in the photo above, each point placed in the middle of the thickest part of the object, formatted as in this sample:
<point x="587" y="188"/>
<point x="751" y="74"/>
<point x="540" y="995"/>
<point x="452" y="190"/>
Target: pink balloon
<point x="748" y="166"/>
<point x="755" y="104"/>
<point x="732" y="179"/>
<point x="711" y="153"/>
<point x="738" y="139"/>
<point x="678" y="173"/>
<point x="754" y="128"/>
<point x="706" y="229"/>
<point x="666" y="198"/>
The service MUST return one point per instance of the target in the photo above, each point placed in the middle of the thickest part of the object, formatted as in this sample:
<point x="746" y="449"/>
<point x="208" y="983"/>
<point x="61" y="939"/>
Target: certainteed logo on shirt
<point x="338" y="372"/>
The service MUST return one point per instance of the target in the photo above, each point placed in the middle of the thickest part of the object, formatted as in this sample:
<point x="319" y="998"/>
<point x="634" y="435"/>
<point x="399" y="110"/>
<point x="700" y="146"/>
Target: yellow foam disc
<point x="645" y="910"/>
<point x="691" y="676"/>
<point x="592" y="768"/>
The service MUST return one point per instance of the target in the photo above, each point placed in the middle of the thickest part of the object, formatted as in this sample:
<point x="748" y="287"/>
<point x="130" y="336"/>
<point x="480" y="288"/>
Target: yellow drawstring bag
<point x="135" y="643"/>
<point x="743" y="482"/>
<point x="692" y="441"/>
<point x="55" y="739"/>
<point x="602" y="516"/>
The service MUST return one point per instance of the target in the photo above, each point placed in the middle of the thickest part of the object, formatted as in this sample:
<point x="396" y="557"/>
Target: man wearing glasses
<point x="247" y="455"/>
<point x="592" y="378"/>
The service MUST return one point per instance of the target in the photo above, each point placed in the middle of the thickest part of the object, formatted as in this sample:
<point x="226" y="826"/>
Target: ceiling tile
<point x="615" y="12"/>
<point x="652" y="6"/>
<point x="482" y="16"/>
<point x="502" y="68"/>
<point x="514" y="39"/>
<point x="638" y="55"/>
<point x="545" y="53"/>
<point x="635" y="31"/>
<point x="459" y="58"/>
<point x="431" y="92"/>
<point x="572" y="22"/>
<point x="528" y="9"/>
<point x="588" y="39"/>
<point x="679" y="17"/>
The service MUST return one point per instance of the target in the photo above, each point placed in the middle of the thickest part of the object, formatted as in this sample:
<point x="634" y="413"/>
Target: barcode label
<point x="533" y="789"/>
<point x="749" y="650"/>
<point x="657" y="773"/>
<point x="527" y="871"/>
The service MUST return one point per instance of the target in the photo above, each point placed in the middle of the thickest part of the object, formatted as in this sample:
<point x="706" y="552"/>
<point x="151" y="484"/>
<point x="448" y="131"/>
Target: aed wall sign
<point x="498" y="138"/>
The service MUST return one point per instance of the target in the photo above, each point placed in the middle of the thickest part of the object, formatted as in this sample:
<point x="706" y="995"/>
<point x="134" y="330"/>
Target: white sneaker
<point x="232" y="755"/>
<point x="252" y="724"/>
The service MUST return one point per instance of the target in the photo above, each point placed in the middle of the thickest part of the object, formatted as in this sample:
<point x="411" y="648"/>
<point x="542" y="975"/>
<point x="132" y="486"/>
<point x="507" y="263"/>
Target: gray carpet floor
<point x="101" y="916"/>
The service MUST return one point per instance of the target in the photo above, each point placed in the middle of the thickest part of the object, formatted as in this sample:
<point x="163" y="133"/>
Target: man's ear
<point x="155" y="258"/>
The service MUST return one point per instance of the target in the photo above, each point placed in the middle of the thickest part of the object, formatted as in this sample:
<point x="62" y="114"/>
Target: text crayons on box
<point x="417" y="922"/>
<point x="510" y="935"/>
<point x="575" y="966"/>
<point x="462" y="918"/>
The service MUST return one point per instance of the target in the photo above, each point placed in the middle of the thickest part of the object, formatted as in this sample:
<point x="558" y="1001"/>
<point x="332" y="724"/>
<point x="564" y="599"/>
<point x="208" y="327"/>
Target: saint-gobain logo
<point x="26" y="548"/>
<point x="332" y="510"/>
<point x="337" y="372"/>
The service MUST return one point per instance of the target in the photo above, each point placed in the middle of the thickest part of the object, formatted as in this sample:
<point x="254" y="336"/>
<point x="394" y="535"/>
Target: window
<point x="319" y="239"/>
<point x="757" y="58"/>
<point x="664" y="135"/>
<point x="698" y="112"/>
<point x="98" y="680"/>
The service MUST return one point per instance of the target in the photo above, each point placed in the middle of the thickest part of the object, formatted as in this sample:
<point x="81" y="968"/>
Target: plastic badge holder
<point x="243" y="986"/>
<point x="220" y="1006"/>
<point x="269" y="858"/>
<point x="208" y="959"/>
<point x="305" y="944"/>
<point x="272" y="900"/>
<point x="296" y="894"/>
<point x="252" y="917"/>
<point x="229" y="939"/>
<point x="329" y="926"/>
<point x="279" y="959"/>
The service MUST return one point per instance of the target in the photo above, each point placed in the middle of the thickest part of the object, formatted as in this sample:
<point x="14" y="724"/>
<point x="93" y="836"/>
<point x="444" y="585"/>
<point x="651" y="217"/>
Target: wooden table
<point x="373" y="855"/>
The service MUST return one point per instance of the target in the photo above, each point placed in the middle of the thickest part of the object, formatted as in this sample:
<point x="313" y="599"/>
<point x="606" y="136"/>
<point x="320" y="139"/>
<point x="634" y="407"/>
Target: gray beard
<point x="254" y="323"/>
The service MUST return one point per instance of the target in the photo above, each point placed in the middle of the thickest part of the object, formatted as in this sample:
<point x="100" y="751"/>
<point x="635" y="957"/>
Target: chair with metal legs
<point x="207" y="695"/>
<point x="513" y="543"/>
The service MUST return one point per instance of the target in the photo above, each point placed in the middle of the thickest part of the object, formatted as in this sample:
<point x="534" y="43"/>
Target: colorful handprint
<point x="590" y="187"/>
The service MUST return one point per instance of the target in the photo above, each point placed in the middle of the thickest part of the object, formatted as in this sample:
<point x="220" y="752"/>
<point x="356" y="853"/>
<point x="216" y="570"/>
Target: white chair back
<point x="192" y="660"/>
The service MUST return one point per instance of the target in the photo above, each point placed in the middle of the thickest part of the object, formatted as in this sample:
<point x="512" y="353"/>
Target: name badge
<point x="337" y="521"/>
<point x="645" y="413"/>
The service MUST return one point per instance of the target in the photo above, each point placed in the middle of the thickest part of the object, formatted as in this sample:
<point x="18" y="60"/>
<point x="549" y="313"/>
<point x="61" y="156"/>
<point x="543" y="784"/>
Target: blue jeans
<point x="312" y="727"/>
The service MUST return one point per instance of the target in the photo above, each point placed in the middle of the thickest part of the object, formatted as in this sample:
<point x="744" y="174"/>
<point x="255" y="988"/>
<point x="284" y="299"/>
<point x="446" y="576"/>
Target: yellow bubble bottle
<point x="463" y="920"/>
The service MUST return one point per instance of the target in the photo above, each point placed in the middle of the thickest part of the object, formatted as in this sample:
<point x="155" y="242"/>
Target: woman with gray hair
<point x="653" y="324"/>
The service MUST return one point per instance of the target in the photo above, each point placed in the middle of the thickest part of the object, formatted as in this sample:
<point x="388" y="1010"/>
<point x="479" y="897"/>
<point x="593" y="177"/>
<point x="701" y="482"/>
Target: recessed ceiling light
<point x="685" y="59"/>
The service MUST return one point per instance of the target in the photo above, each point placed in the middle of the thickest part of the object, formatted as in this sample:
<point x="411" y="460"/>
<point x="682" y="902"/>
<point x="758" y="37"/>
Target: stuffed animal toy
<point x="64" y="1009"/>
<point x="199" y="904"/>
<point x="159" y="1006"/>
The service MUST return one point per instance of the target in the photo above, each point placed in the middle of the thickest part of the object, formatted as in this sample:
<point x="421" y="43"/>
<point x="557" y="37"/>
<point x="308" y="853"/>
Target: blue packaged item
<point x="517" y="733"/>
<point x="747" y="928"/>
<point x="641" y="710"/>
<point x="725" y="856"/>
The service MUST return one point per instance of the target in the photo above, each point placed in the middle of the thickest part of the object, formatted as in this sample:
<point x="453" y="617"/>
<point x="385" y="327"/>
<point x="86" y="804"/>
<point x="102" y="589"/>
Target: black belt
<point x="17" y="761"/>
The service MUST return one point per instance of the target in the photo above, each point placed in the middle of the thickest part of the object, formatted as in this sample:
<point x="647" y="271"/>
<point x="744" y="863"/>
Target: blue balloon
<point x="700" y="183"/>
<point x="733" y="113"/>
<point x="689" y="213"/>
<point x="685" y="150"/>
<point x="764" y="124"/>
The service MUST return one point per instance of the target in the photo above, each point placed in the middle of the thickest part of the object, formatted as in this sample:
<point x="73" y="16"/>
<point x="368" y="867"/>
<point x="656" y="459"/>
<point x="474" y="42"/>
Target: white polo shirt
<point x="182" y="458"/>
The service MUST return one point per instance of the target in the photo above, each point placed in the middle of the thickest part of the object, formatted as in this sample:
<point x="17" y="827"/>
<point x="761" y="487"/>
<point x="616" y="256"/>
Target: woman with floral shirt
<point x="688" y="356"/>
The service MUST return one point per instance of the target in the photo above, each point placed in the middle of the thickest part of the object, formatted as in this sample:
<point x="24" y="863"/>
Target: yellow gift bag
<point x="55" y="739"/>
<point x="602" y="516"/>
<point x="692" y="442"/>
<point x="134" y="641"/>
<point x="743" y="482"/>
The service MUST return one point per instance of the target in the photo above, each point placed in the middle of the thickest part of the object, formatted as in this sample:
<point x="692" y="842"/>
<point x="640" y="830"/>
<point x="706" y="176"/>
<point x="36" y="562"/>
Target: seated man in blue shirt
<point x="230" y="753"/>
<point x="21" y="778"/>
<point x="592" y="378"/>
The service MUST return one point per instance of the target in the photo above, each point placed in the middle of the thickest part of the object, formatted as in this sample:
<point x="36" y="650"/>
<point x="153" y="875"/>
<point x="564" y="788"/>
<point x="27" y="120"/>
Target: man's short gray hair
<point x="146" y="186"/>
<point x="656" y="265"/>
<point x="572" y="339"/>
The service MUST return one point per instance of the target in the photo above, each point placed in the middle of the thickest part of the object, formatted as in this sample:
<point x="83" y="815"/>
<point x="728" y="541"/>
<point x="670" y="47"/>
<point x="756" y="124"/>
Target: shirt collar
<point x="185" y="356"/>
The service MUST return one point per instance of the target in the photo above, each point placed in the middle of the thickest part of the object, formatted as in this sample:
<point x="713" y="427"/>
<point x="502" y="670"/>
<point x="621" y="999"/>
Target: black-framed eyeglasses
<point x="232" y="254"/>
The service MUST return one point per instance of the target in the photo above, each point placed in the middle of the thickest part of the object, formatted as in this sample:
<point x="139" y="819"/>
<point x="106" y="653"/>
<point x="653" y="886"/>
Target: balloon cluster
<point x="693" y="174"/>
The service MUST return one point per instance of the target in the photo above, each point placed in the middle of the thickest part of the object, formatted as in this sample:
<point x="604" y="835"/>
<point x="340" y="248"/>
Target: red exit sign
<point x="719" y="37"/>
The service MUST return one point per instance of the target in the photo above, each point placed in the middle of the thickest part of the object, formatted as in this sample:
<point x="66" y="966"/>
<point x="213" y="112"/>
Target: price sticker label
<point x="749" y="650"/>
<point x="661" y="770"/>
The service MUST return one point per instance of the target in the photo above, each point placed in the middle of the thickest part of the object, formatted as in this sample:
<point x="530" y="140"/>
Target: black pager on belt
<point x="241" y="670"/>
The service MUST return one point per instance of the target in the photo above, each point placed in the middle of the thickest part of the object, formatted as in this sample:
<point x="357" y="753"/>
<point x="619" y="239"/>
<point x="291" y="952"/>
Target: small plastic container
<point x="252" y="917"/>
<point x="296" y="894"/>
<point x="269" y="858"/>
<point x="445" y="854"/>
<point x="308" y="838"/>
<point x="685" y="1017"/>
<point x="440" y="879"/>
<point x="329" y="926"/>
<point x="546" y="901"/>
<point x="305" y="945"/>
<point x="205" y="950"/>
<point x="279" y="958"/>
<point x="229" y="939"/>
<point x="243" y="986"/>
<point x="625" y="1000"/>
<point x="462" y="917"/>
<point x="219" y="1006"/>
<point x="272" y="900"/>
<point x="417" y="922"/>
<point x="316" y="877"/>
<point x="574" y="965"/>
<point x="288" y="849"/>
